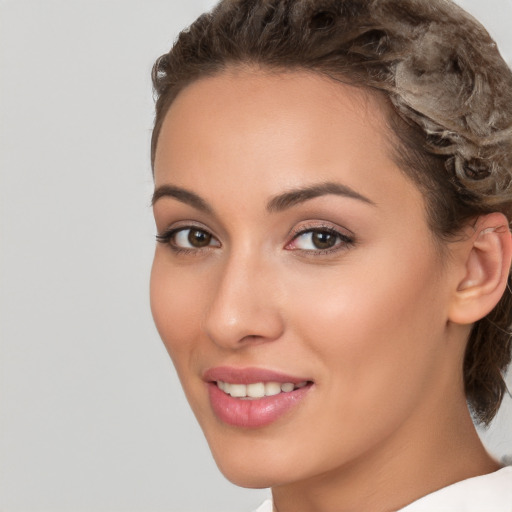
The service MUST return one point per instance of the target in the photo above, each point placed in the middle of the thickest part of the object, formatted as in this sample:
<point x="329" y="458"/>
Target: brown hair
<point x="450" y="94"/>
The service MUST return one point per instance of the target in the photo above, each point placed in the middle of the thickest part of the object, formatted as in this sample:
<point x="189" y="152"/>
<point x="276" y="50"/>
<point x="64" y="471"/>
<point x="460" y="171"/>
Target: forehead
<point x="269" y="94"/>
<point x="253" y="100"/>
<point x="252" y="130"/>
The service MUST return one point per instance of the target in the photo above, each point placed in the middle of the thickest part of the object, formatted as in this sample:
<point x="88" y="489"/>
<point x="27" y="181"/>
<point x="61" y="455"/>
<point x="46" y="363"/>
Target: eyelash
<point x="343" y="241"/>
<point x="167" y="238"/>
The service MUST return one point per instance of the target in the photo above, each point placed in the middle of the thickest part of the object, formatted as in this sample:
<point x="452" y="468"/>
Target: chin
<point x="256" y="475"/>
<point x="249" y="480"/>
<point x="243" y="467"/>
<point x="253" y="460"/>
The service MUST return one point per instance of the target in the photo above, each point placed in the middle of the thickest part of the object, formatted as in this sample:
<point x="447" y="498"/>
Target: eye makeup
<point x="319" y="239"/>
<point x="311" y="239"/>
<point x="188" y="239"/>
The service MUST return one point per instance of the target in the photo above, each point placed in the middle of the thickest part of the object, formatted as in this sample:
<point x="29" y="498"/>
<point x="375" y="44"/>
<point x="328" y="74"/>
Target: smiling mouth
<point x="254" y="397"/>
<point x="257" y="390"/>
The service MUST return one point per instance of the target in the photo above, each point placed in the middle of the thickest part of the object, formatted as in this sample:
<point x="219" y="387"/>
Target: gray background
<point x="92" y="417"/>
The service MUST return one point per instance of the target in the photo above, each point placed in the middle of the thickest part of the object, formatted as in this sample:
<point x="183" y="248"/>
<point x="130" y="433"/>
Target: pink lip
<point x="257" y="412"/>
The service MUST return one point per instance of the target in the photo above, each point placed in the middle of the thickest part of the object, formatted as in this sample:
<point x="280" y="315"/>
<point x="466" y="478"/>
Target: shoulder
<point x="492" y="493"/>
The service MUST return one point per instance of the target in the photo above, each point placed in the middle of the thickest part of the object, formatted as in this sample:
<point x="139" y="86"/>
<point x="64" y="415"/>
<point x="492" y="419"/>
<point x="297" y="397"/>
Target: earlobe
<point x="486" y="257"/>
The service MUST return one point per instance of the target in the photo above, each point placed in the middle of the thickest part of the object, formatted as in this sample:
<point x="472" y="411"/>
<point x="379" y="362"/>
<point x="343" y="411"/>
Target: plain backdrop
<point x="92" y="417"/>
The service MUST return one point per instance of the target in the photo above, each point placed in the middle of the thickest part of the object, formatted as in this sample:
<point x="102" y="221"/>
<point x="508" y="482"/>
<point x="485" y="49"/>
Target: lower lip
<point x="253" y="413"/>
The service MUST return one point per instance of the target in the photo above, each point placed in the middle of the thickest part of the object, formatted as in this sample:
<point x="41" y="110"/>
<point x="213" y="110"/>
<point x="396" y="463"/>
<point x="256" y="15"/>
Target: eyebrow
<point x="300" y="195"/>
<point x="183" y="195"/>
<point x="276" y="204"/>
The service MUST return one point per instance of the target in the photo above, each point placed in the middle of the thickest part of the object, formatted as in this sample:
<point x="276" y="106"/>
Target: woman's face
<point x="295" y="254"/>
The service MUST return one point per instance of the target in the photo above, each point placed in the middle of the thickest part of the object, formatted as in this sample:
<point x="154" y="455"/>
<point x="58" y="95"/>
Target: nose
<point x="244" y="307"/>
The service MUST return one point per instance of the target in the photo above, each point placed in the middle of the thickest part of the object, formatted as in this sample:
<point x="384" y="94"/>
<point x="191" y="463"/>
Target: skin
<point x="369" y="322"/>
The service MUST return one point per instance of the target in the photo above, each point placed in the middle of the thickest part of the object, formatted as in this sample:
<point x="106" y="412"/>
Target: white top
<point x="486" y="493"/>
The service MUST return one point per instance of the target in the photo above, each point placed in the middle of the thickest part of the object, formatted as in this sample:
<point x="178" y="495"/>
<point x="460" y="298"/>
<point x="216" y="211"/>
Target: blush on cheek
<point x="173" y="312"/>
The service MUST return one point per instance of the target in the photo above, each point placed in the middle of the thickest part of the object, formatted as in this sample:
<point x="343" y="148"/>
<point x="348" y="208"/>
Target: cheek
<point x="175" y="302"/>
<point x="374" y="323"/>
<point x="373" y="334"/>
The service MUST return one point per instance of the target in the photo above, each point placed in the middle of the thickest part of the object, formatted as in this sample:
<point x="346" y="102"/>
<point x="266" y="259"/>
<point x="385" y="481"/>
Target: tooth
<point x="272" y="388"/>
<point x="237" y="390"/>
<point x="256" y="390"/>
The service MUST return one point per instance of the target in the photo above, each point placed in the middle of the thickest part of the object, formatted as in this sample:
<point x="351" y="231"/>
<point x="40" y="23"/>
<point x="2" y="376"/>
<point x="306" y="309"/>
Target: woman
<point x="332" y="200"/>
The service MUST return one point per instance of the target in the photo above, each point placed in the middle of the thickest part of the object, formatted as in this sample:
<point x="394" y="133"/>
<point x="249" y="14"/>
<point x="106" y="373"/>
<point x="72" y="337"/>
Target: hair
<point x="450" y="98"/>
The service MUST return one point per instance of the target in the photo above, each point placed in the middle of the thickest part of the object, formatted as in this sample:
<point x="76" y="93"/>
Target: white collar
<point x="486" y="493"/>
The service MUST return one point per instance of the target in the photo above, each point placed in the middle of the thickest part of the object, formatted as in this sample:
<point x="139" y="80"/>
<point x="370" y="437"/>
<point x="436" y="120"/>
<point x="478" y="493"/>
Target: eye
<point x="192" y="238"/>
<point x="188" y="238"/>
<point x="319" y="240"/>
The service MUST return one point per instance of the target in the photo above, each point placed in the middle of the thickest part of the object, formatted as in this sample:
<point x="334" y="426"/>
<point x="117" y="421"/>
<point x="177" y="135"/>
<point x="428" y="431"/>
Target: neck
<point x="429" y="453"/>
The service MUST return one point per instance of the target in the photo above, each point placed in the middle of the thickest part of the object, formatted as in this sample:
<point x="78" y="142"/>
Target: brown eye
<point x="320" y="240"/>
<point x="198" y="238"/>
<point x="188" y="239"/>
<point x="323" y="239"/>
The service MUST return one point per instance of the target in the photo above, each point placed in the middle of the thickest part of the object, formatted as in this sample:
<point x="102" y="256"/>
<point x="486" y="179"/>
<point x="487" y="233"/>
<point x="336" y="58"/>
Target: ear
<point x="486" y="258"/>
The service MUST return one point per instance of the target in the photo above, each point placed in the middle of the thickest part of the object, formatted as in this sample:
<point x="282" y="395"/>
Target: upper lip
<point x="248" y="375"/>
